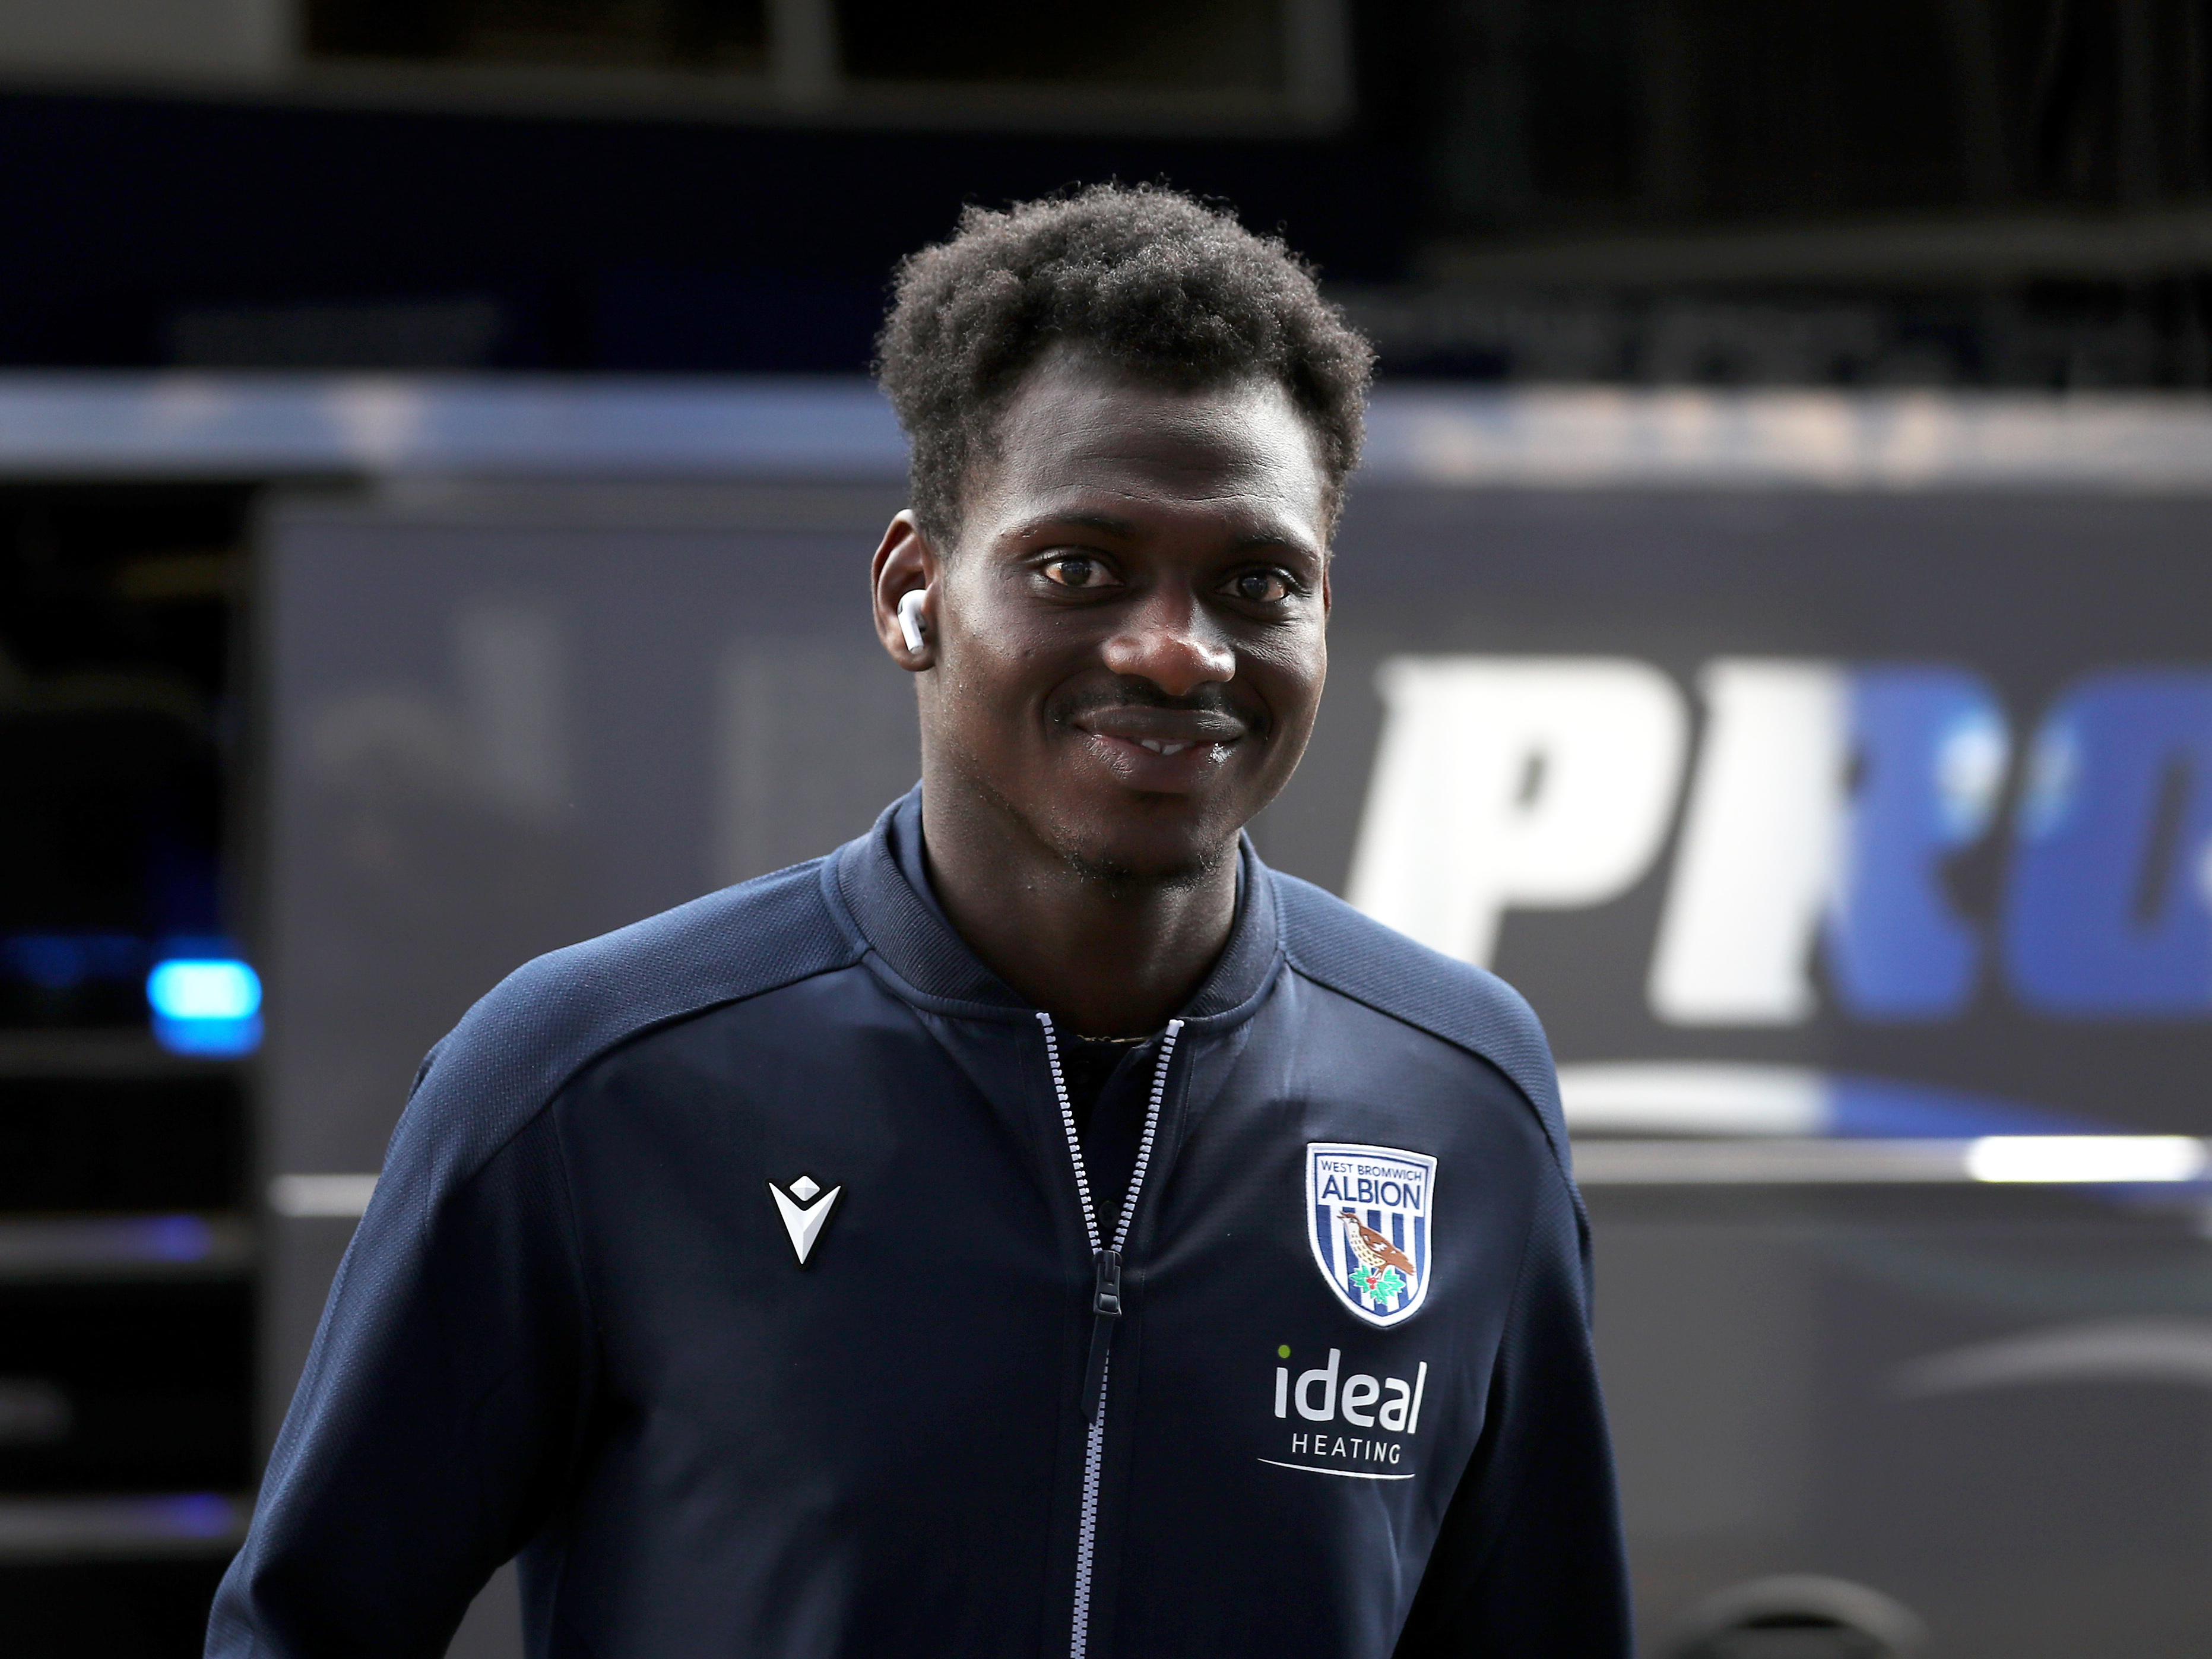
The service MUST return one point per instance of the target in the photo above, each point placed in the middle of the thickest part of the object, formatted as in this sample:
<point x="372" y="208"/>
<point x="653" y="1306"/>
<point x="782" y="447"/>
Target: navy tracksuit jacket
<point x="1324" y="1392"/>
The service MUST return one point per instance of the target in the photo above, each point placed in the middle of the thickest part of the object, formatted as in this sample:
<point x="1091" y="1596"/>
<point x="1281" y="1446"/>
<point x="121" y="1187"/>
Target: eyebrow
<point x="1105" y="521"/>
<point x="1264" y="539"/>
<point x="1128" y="530"/>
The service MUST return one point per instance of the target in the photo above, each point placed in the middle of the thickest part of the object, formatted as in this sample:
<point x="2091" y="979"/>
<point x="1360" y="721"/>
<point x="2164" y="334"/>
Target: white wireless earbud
<point x="909" y="615"/>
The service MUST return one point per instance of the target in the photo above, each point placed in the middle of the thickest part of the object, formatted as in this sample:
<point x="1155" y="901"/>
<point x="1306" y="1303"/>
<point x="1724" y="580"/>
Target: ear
<point x="905" y="563"/>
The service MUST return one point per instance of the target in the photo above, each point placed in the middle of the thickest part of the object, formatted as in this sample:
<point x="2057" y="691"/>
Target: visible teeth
<point x="1159" y="748"/>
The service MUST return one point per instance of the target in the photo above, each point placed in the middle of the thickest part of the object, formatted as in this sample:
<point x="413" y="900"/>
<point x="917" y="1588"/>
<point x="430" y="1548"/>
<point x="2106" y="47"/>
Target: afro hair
<point x="1156" y="283"/>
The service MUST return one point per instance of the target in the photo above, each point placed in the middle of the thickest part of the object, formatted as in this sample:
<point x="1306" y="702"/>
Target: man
<point x="1036" y="1228"/>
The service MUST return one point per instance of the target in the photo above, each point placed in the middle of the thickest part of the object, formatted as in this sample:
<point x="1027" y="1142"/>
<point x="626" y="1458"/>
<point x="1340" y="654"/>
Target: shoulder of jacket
<point x="513" y="1052"/>
<point x="1471" y="1008"/>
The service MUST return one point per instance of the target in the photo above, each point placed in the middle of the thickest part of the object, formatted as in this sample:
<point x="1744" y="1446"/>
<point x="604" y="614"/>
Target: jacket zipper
<point x="1105" y="1303"/>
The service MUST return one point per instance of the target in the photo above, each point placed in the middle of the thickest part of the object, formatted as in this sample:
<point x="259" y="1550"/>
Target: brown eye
<point x="1076" y="570"/>
<point x="1262" y="588"/>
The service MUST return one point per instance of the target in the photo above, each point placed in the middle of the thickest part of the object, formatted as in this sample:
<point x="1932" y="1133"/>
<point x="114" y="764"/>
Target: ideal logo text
<point x="1381" y="1404"/>
<point x="1365" y="1401"/>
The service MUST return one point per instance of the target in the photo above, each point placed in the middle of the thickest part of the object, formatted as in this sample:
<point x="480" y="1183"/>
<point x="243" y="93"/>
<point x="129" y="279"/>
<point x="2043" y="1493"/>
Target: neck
<point x="1105" y="957"/>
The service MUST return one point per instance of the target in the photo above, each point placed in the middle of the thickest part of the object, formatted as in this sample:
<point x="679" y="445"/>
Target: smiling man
<point x="1036" y="1227"/>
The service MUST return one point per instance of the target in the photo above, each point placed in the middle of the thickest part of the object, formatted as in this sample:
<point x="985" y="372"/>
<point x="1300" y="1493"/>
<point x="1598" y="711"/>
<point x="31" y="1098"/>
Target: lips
<point x="1161" y="751"/>
<point x="1174" y="770"/>
<point x="1162" y="731"/>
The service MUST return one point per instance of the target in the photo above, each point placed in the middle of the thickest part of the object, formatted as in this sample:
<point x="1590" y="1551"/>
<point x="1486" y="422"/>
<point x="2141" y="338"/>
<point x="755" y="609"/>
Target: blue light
<point x="205" y="1006"/>
<point x="210" y="1039"/>
<point x="203" y="990"/>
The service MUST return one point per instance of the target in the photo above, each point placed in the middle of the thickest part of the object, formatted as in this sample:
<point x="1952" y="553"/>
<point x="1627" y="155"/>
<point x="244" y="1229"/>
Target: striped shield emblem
<point x="1369" y="1211"/>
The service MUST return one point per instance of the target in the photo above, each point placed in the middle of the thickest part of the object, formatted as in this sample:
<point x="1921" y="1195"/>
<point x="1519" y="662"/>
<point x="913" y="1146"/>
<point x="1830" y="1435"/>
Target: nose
<point x="1171" y="641"/>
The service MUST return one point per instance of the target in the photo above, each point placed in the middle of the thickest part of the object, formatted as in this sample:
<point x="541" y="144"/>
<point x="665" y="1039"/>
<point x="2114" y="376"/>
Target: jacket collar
<point x="910" y="933"/>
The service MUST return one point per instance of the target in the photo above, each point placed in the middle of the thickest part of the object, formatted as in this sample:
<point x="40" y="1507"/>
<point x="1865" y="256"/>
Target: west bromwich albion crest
<point x="1368" y="1215"/>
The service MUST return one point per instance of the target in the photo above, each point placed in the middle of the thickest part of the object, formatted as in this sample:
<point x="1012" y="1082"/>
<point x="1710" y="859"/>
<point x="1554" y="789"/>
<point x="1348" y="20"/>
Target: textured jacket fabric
<point x="575" y="1324"/>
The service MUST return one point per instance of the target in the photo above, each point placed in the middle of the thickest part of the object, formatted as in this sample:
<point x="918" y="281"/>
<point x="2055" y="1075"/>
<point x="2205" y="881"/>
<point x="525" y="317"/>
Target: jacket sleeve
<point x="436" y="1423"/>
<point x="1529" y="1562"/>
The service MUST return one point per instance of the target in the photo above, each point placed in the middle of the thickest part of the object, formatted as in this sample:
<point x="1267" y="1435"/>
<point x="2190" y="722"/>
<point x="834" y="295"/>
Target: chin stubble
<point x="1119" y="880"/>
<point x="1112" y="877"/>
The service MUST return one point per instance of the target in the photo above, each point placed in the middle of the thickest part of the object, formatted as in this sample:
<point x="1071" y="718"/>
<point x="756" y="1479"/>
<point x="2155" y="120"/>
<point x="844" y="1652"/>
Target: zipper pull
<point x="1105" y="1309"/>
<point x="1106" y="1301"/>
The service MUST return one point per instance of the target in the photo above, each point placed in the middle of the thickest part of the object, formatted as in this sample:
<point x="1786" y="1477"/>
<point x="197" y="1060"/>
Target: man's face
<point x="1130" y="636"/>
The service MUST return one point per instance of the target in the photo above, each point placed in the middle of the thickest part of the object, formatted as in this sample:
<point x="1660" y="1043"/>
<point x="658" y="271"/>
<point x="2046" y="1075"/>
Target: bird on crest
<point x="1374" y="1252"/>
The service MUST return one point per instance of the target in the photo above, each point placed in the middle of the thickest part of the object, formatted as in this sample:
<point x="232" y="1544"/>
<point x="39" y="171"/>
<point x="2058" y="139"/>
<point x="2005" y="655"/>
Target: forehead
<point x="1078" y="430"/>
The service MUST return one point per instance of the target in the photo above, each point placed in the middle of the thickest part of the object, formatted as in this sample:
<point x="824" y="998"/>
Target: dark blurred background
<point x="204" y="649"/>
<point x="1973" y="192"/>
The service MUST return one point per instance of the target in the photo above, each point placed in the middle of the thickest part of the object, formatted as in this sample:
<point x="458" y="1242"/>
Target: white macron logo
<point x="804" y="1207"/>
